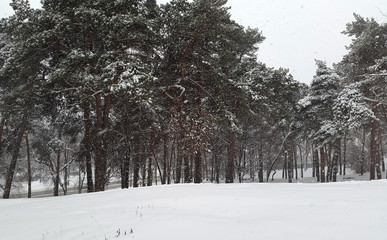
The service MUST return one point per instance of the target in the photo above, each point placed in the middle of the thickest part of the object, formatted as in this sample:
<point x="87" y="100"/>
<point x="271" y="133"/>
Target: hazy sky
<point x="296" y="31"/>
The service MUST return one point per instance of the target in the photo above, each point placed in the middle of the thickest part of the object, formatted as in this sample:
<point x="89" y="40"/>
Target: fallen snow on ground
<point x="347" y="210"/>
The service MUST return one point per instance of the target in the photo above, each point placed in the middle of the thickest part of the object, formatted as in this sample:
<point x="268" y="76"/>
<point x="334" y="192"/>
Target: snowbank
<point x="347" y="210"/>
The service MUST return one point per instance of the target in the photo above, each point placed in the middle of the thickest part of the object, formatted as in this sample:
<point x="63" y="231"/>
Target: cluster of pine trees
<point x="142" y="93"/>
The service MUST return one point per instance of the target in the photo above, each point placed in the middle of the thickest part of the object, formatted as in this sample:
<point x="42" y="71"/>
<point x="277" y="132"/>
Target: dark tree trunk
<point x="15" y="153"/>
<point x="86" y="141"/>
<point x="322" y="164"/>
<point x="165" y="157"/>
<point x="136" y="161"/>
<point x="317" y="164"/>
<point x="187" y="174"/>
<point x="57" y="170"/>
<point x="302" y="162"/>
<point x="294" y="150"/>
<point x="2" y="124"/>
<point x="150" y="159"/>
<point x="28" y="166"/>
<point x="345" y="154"/>
<point x="179" y="161"/>
<point x="381" y="151"/>
<point x="290" y="160"/>
<point x="198" y="167"/>
<point x="260" y="164"/>
<point x="125" y="165"/>
<point x="362" y="160"/>
<point x="217" y="162"/>
<point x="336" y="158"/>
<point x="230" y="167"/>
<point x="99" y="174"/>
<point x="373" y="149"/>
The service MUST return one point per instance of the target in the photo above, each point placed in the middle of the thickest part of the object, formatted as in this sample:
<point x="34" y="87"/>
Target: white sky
<point x="296" y="31"/>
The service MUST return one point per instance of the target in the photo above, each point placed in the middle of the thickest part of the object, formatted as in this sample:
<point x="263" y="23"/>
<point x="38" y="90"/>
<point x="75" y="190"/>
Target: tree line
<point x="145" y="93"/>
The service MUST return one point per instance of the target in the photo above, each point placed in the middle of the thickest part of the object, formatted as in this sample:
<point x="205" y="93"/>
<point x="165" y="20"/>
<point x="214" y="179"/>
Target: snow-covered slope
<point x="349" y="210"/>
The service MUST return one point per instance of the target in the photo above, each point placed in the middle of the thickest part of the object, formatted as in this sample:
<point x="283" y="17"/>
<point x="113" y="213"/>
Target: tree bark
<point x="345" y="154"/>
<point x="86" y="142"/>
<point x="150" y="158"/>
<point x="290" y="160"/>
<point x="15" y="153"/>
<point x="198" y="167"/>
<point x="373" y="149"/>
<point x="230" y="167"/>
<point x="336" y="158"/>
<point x="57" y="170"/>
<point x="322" y="164"/>
<point x="260" y="164"/>
<point x="165" y="157"/>
<point x="28" y="166"/>
<point x="99" y="173"/>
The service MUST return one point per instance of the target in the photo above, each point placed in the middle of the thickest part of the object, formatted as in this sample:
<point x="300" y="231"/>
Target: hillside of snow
<point x="346" y="210"/>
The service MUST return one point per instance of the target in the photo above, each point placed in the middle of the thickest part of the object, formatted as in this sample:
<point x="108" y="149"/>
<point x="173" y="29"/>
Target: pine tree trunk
<point x="322" y="164"/>
<point x="294" y="149"/>
<point x="381" y="151"/>
<point x="125" y="165"/>
<point x="260" y="164"/>
<point x="99" y="174"/>
<point x="28" y="166"/>
<point x="2" y="124"/>
<point x="230" y="167"/>
<point x="150" y="159"/>
<point x="136" y="161"/>
<point x="302" y="162"/>
<point x="373" y="149"/>
<point x="317" y="164"/>
<point x="165" y="157"/>
<point x="345" y="155"/>
<point x="290" y="160"/>
<point x="187" y="175"/>
<point x="362" y="160"/>
<point x="15" y="153"/>
<point x="198" y="167"/>
<point x="179" y="161"/>
<point x="57" y="172"/>
<point x="86" y="141"/>
<point x="336" y="158"/>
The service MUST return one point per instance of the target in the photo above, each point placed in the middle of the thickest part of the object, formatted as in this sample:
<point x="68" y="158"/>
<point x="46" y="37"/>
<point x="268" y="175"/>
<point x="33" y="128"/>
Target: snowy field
<point x="346" y="210"/>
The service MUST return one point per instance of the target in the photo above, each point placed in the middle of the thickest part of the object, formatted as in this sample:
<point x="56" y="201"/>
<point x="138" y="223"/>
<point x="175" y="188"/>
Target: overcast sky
<point x="296" y="31"/>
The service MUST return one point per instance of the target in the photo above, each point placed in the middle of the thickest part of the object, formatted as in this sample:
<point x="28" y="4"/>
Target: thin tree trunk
<point x="302" y="163"/>
<point x="136" y="160"/>
<point x="125" y="166"/>
<point x="165" y="157"/>
<point x="15" y="154"/>
<point x="322" y="164"/>
<point x="317" y="164"/>
<point x="57" y="170"/>
<point x="381" y="151"/>
<point x="2" y="123"/>
<point x="99" y="174"/>
<point x="198" y="167"/>
<point x="150" y="159"/>
<point x="86" y="142"/>
<point x="260" y="164"/>
<point x="230" y="167"/>
<point x="373" y="149"/>
<point x="290" y="160"/>
<point x="294" y="149"/>
<point x="28" y="166"/>
<point x="187" y="176"/>
<point x="336" y="158"/>
<point x="345" y="154"/>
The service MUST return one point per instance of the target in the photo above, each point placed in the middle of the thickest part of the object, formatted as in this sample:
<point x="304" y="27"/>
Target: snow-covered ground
<point x="346" y="210"/>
